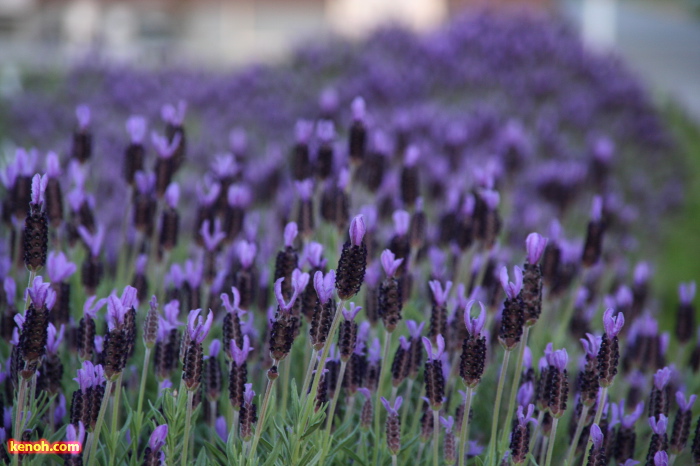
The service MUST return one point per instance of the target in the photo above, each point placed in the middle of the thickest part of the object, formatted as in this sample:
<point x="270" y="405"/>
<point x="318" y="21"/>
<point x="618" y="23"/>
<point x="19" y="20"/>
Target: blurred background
<point x="659" y="39"/>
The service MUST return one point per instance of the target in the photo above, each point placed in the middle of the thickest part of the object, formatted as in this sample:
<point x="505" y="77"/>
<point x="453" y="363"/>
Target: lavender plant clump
<point x="265" y="234"/>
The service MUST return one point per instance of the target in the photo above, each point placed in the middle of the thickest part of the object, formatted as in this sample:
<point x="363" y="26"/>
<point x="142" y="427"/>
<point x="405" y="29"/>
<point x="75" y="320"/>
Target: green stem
<point x="596" y="420"/>
<point x="331" y="411"/>
<point x="92" y="448"/>
<point x="406" y="400"/>
<point x="552" y="437"/>
<point x="533" y="439"/>
<point x="306" y="412"/>
<point x="142" y="385"/>
<point x="385" y="359"/>
<point x="497" y="409"/>
<point x="393" y="460"/>
<point x="515" y="385"/>
<point x="115" y="419"/>
<point x="18" y="413"/>
<point x="309" y="372"/>
<point x="263" y="413"/>
<point x="188" y="421"/>
<point x="436" y="437"/>
<point x="464" y="432"/>
<point x="286" y="369"/>
<point x="577" y="435"/>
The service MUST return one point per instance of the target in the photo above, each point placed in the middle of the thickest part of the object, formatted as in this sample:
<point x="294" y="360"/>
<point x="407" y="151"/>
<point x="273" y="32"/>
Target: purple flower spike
<point x="93" y="242"/>
<point x="535" y="244"/>
<point x="642" y="272"/>
<point x="525" y="394"/>
<point x="661" y="458"/>
<point x="174" y="116"/>
<point x="526" y="416"/>
<point x="172" y="195"/>
<point x="613" y="325"/>
<point x="91" y="307"/>
<point x="591" y="344"/>
<point x="314" y="255"/>
<point x="39" y="183"/>
<point x="402" y="221"/>
<point x="350" y="314"/>
<point x="474" y="326"/>
<point x="392" y="409"/>
<point x="285" y="306"/>
<point x="447" y="423"/>
<point x="434" y="353"/>
<point x="53" y="166"/>
<point x="414" y="328"/>
<point x="629" y="420"/>
<point x="239" y="196"/>
<point x="491" y="197"/>
<point x="41" y="293"/>
<point x="686" y="292"/>
<point x="597" y="209"/>
<point x="683" y="404"/>
<point x="158" y="436"/>
<point x="658" y="426"/>
<point x="164" y="148"/>
<point x="512" y="289"/>
<point x="241" y="354"/>
<point x="207" y="195"/>
<point x="214" y="348"/>
<point x="248" y="393"/>
<point x="411" y="156"/>
<point x="389" y="262"/>
<point x="10" y="288"/>
<point x="55" y="337"/>
<point x="357" y="230"/>
<point x="440" y="294"/>
<point x="211" y="241"/>
<point x="115" y="312"/>
<point x="558" y="359"/>
<point x="358" y="109"/>
<point x="303" y="131"/>
<point x="305" y="188"/>
<point x="527" y="358"/>
<point x="299" y="280"/>
<point x="597" y="436"/>
<point x="221" y="428"/>
<point x="662" y="377"/>
<point x="290" y="233"/>
<point x="59" y="267"/>
<point x="325" y="131"/>
<point x="136" y="127"/>
<point x="374" y="353"/>
<point x="73" y="435"/>
<point x="197" y="327"/>
<point x="246" y="253"/>
<point x="324" y="285"/>
<point x="82" y="113"/>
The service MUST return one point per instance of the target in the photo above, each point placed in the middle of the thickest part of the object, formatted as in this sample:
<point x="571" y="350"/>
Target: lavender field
<point x="465" y="247"/>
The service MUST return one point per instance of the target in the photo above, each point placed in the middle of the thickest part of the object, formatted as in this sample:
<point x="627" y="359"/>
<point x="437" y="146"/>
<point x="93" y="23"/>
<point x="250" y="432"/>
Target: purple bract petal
<point x="597" y="436"/>
<point x="474" y="326"/>
<point x="686" y="292"/>
<point x="357" y="230"/>
<point x="290" y="233"/>
<point x="662" y="377"/>
<point x="512" y="289"/>
<point x="613" y="325"/>
<point x="389" y="262"/>
<point x="358" y="109"/>
<point x="440" y="294"/>
<point x="402" y="220"/>
<point x="535" y="245"/>
<point x="350" y="314"/>
<point x="659" y="426"/>
<point x="136" y="127"/>
<point x="683" y="404"/>
<point x="157" y="439"/>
